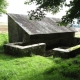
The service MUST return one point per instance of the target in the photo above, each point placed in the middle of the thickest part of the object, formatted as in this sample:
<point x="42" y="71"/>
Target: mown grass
<point x="37" y="67"/>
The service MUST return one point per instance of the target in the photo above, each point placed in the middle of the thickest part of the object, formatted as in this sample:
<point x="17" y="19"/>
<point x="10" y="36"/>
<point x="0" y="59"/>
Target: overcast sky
<point x="17" y="6"/>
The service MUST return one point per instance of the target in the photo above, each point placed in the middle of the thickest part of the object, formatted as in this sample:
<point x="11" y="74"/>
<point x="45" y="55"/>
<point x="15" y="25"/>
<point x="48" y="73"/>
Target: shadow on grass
<point x="62" y="70"/>
<point x="68" y="69"/>
<point x="56" y="75"/>
<point x="1" y="49"/>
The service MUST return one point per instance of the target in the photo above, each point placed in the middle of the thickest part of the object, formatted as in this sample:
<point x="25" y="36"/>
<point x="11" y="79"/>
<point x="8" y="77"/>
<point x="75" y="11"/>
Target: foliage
<point x="3" y="5"/>
<point x="54" y="6"/>
<point x="3" y="40"/>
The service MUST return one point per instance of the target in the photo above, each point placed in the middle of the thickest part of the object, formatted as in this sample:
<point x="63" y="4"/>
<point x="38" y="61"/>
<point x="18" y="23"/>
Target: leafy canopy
<point x="54" y="6"/>
<point x="3" y="5"/>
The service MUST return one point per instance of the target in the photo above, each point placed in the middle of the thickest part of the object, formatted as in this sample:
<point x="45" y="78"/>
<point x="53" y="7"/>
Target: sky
<point x="18" y="7"/>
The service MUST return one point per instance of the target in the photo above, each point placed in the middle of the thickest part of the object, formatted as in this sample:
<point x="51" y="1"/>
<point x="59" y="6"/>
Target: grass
<point x="37" y="67"/>
<point x="77" y="34"/>
<point x="3" y="40"/>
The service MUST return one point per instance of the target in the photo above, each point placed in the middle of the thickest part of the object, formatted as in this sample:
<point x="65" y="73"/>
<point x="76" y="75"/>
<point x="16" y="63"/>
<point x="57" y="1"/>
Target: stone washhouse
<point x="34" y="36"/>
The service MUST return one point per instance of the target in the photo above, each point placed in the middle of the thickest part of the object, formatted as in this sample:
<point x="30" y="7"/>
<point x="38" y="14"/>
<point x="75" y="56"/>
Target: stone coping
<point x="60" y="49"/>
<point x="16" y="49"/>
<point x="67" y="52"/>
<point x="17" y="45"/>
<point x="67" y="49"/>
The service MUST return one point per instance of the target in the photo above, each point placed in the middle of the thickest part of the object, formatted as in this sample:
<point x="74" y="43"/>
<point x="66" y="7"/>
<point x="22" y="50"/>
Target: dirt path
<point x="3" y="29"/>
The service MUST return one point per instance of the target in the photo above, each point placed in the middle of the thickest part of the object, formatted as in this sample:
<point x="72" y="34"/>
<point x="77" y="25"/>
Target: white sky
<point x="17" y="6"/>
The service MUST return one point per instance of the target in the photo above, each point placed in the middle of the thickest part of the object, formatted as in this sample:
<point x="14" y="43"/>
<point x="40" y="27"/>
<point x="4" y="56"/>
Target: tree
<point x="54" y="6"/>
<point x="3" y="5"/>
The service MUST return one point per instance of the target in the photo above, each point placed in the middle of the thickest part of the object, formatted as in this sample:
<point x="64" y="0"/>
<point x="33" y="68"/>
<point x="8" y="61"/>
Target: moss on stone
<point x="74" y="48"/>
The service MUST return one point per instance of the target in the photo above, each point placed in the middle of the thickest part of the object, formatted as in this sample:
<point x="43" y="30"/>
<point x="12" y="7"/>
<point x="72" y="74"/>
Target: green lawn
<point x="37" y="67"/>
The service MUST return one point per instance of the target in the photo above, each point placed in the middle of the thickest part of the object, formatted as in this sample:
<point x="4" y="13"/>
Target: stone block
<point x="66" y="52"/>
<point x="17" y="49"/>
<point x="58" y="52"/>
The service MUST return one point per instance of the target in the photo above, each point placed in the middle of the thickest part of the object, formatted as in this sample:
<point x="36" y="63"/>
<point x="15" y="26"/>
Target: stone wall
<point x="54" y="40"/>
<point x="69" y="52"/>
<point x="17" y="49"/>
<point x="16" y="33"/>
<point x="76" y="41"/>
